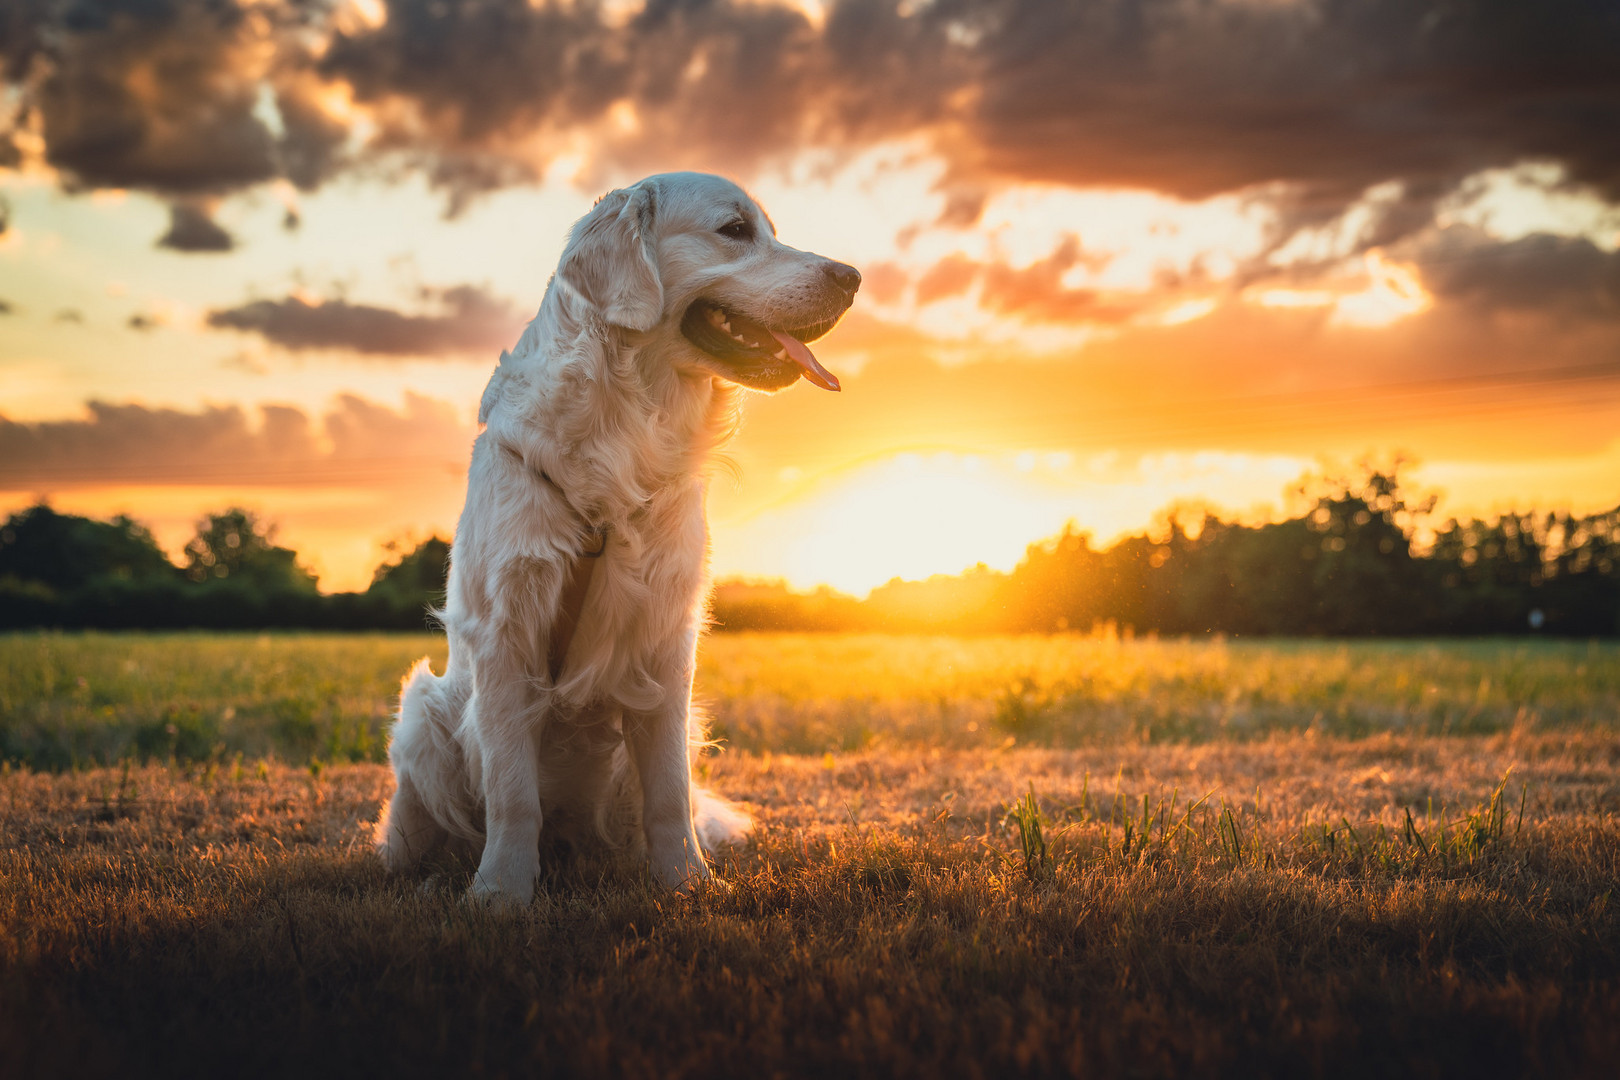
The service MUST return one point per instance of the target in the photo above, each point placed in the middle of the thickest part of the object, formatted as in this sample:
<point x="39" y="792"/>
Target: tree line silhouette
<point x="1347" y="566"/>
<point x="1361" y="560"/>
<point x="70" y="572"/>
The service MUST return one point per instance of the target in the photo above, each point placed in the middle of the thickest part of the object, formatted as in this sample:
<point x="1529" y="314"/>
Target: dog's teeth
<point x="781" y="354"/>
<point x="725" y="325"/>
<point x="718" y="318"/>
<point x="739" y="337"/>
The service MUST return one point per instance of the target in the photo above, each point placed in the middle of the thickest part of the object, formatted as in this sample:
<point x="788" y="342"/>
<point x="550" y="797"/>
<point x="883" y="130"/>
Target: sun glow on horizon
<point x="914" y="515"/>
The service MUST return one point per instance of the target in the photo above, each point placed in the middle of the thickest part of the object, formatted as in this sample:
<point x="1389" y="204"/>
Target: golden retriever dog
<point x="579" y="574"/>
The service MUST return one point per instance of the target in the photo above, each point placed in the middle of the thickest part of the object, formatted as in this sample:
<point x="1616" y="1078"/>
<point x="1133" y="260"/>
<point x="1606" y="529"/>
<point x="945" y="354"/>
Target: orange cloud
<point x="356" y="443"/>
<point x="1442" y="384"/>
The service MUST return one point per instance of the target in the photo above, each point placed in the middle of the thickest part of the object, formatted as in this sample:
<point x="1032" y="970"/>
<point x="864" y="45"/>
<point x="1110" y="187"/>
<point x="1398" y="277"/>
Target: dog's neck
<point x="603" y="413"/>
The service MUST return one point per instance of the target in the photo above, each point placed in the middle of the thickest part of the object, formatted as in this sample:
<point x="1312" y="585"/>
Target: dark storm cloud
<point x="472" y="321"/>
<point x="191" y="229"/>
<point x="174" y="96"/>
<point x="1192" y="99"/>
<point x="1196" y="99"/>
<point x="118" y="444"/>
<point x="155" y="94"/>
<point x="166" y="95"/>
<point x="311" y="148"/>
<point x="711" y="83"/>
<point x="22" y="26"/>
<point x="479" y="71"/>
<point x="1327" y="97"/>
<point x="1559" y="275"/>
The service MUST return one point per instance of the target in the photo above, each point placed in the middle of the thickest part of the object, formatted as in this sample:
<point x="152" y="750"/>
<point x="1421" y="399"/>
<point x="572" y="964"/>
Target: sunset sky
<point x="1116" y="254"/>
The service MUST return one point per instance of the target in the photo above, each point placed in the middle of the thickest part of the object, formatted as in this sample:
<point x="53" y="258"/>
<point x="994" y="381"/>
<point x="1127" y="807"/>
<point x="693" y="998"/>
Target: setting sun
<point x="920" y="513"/>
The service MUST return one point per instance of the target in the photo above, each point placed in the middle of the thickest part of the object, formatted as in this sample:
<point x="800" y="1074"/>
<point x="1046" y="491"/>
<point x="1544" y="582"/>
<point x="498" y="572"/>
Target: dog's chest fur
<point x="581" y="437"/>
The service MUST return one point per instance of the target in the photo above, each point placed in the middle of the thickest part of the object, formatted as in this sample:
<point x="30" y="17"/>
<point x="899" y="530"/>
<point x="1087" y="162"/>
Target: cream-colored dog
<point x="567" y="696"/>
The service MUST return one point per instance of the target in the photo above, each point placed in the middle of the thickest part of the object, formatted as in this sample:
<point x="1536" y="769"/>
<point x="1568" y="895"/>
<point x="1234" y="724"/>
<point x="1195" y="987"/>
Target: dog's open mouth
<point x="736" y="339"/>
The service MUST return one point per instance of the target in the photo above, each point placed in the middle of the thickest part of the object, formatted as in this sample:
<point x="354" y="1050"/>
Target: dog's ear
<point x="610" y="259"/>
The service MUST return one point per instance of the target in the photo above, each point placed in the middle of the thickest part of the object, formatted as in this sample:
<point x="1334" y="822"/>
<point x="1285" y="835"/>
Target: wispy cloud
<point x="471" y="320"/>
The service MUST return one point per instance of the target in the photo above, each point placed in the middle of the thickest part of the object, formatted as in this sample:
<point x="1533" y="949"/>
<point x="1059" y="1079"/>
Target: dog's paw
<point x="395" y="858"/>
<point x="494" y="897"/>
<point x="684" y="876"/>
<point x="435" y="886"/>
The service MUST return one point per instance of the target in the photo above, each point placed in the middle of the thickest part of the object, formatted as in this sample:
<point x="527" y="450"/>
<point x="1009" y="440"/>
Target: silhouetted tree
<point x="752" y="605"/>
<point x="1058" y="586"/>
<point x="404" y="592"/>
<point x="1364" y="580"/>
<point x="234" y="546"/>
<point x="63" y="551"/>
<point x="420" y="572"/>
<point x="1556" y="574"/>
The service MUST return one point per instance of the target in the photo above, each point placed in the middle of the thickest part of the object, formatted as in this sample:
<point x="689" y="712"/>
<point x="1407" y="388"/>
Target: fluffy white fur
<point x="608" y="399"/>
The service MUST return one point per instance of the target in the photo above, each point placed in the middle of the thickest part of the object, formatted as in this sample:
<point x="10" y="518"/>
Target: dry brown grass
<point x="885" y="922"/>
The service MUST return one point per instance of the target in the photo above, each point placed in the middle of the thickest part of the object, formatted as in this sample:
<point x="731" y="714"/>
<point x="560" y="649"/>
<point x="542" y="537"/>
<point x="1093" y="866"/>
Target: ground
<point x="1148" y="858"/>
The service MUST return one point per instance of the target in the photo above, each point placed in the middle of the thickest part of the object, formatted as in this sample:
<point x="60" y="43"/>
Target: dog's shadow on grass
<point x="324" y="948"/>
<point x="566" y="870"/>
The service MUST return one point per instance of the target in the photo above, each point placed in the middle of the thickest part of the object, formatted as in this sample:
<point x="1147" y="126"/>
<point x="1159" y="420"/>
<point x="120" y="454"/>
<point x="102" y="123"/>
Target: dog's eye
<point x="740" y="229"/>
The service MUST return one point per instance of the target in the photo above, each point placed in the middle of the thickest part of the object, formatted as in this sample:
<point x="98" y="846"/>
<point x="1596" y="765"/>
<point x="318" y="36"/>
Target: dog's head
<point x="691" y="259"/>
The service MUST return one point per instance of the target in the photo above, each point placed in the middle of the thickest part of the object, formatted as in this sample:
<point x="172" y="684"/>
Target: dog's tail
<point x="720" y="822"/>
<point x="425" y="752"/>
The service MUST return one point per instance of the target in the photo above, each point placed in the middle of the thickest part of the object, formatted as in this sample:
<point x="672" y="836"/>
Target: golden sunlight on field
<point x="1000" y="856"/>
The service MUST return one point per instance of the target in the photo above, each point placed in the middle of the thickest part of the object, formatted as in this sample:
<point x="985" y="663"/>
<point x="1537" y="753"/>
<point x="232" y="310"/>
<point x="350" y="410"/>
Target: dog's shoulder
<point x="492" y="390"/>
<point x="516" y="401"/>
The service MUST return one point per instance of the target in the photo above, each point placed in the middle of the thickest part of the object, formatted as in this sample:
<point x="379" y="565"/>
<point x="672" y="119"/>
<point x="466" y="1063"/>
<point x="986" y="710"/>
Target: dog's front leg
<point x="659" y="745"/>
<point x="509" y="721"/>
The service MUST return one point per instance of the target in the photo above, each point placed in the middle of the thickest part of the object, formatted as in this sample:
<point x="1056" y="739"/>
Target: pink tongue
<point x="807" y="360"/>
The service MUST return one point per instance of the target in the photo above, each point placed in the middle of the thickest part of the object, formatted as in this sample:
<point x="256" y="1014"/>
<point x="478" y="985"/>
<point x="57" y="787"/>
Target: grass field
<point x="69" y="701"/>
<point x="996" y="857"/>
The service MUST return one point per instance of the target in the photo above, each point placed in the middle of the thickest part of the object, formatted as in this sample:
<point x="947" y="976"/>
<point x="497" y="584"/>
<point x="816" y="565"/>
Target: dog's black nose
<point x="845" y="276"/>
